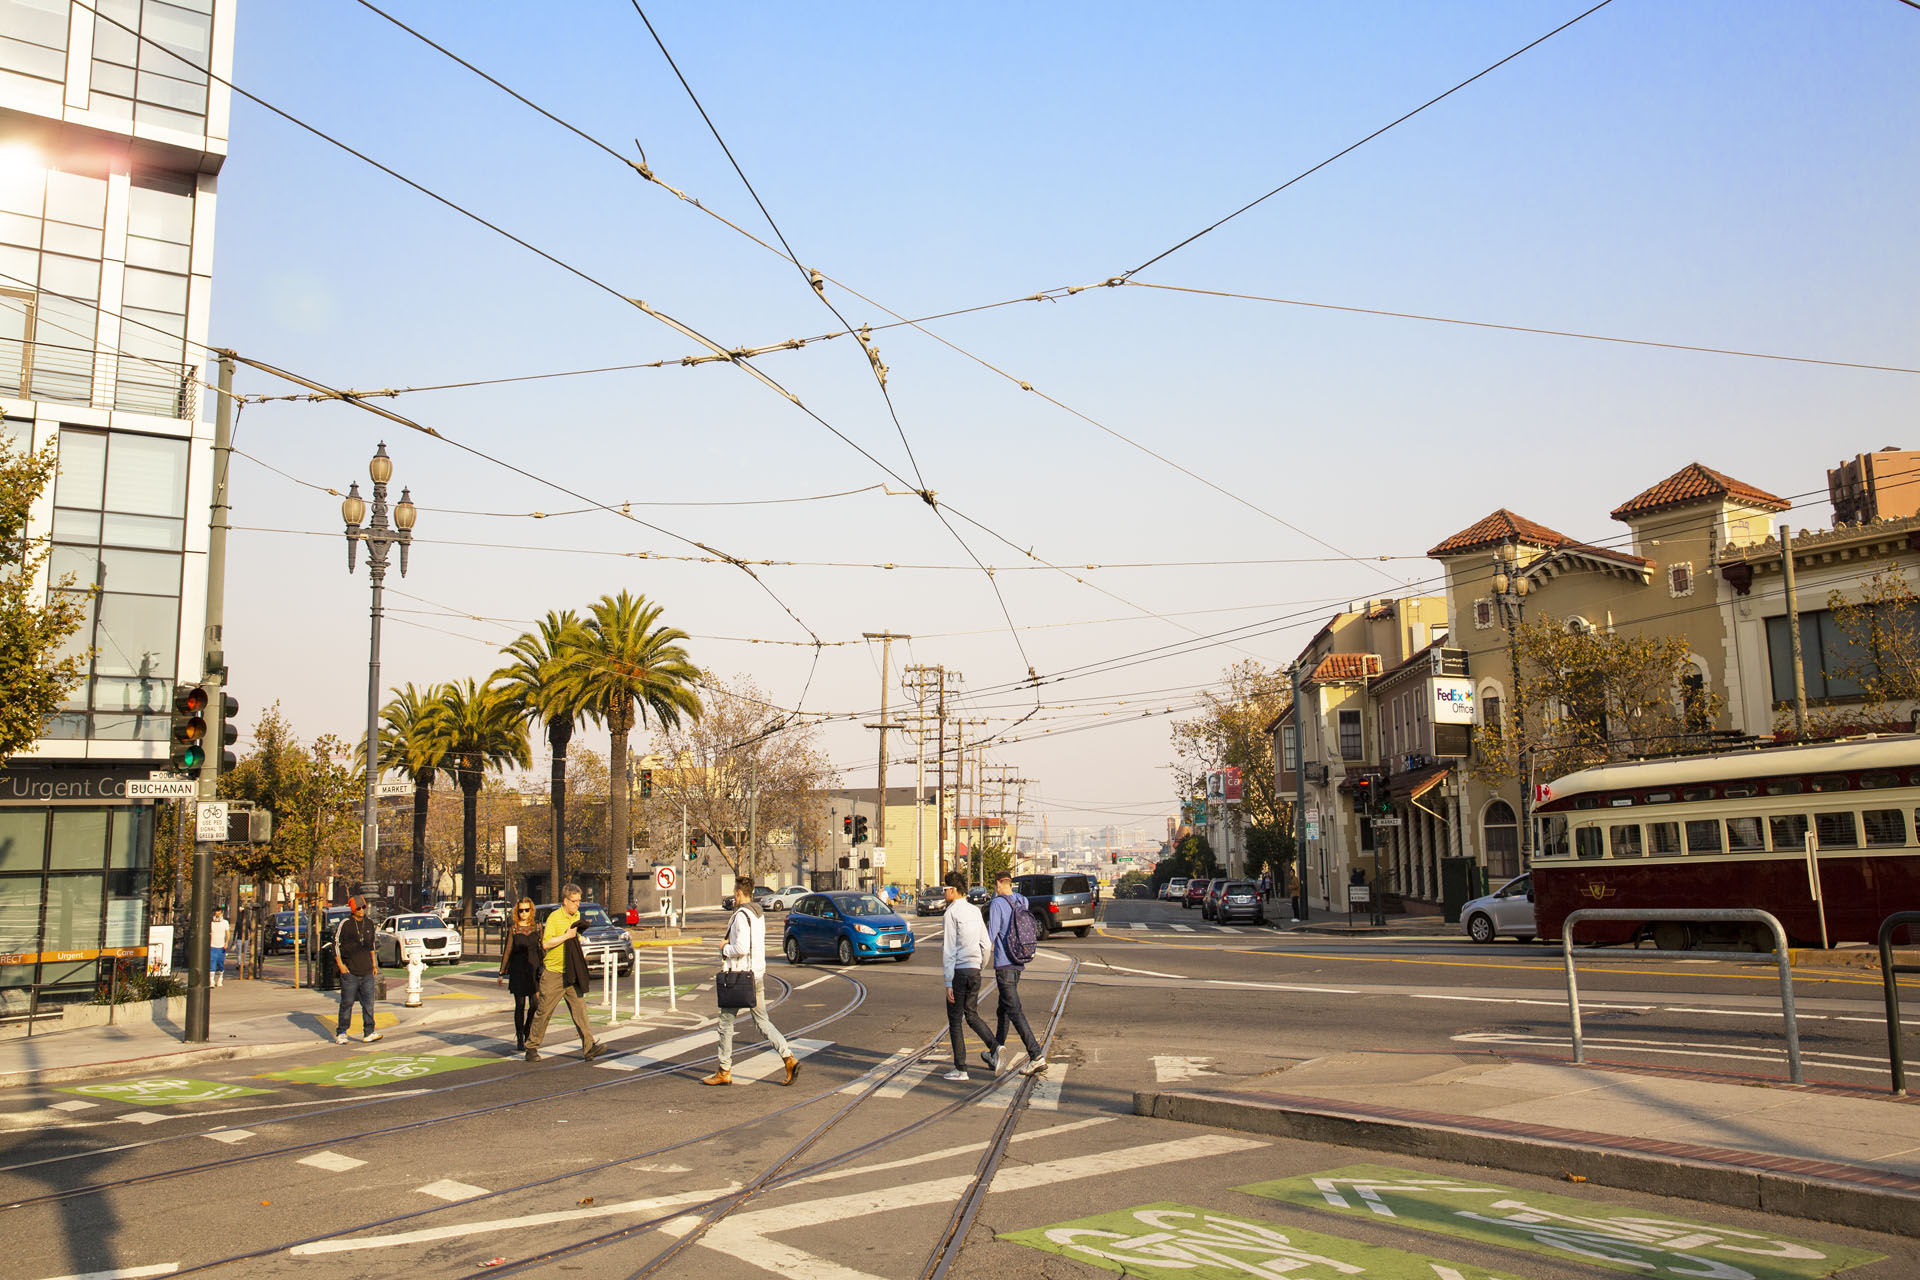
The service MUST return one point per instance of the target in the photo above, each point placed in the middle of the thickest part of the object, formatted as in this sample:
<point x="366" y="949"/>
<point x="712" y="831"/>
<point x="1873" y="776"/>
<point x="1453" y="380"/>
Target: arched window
<point x="1500" y="836"/>
<point x="1490" y="707"/>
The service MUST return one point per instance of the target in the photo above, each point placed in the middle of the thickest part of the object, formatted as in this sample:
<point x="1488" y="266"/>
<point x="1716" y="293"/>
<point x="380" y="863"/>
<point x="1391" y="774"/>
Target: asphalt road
<point x="444" y="1154"/>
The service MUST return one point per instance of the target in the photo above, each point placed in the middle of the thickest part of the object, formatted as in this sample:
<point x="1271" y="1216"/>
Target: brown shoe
<point x="722" y="1076"/>
<point x="793" y="1069"/>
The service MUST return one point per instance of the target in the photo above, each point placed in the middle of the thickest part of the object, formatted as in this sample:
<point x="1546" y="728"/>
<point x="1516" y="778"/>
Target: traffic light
<point x="229" y="732"/>
<point x="1113" y="859"/>
<point x="646" y="783"/>
<point x="1363" y="795"/>
<point x="1385" y="805"/>
<point x="846" y="864"/>
<point x="188" y="751"/>
<point x="860" y="829"/>
<point x="846" y="824"/>
<point x="693" y="847"/>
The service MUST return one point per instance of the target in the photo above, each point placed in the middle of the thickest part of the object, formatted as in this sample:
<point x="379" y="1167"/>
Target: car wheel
<point x="1083" y="931"/>
<point x="792" y="949"/>
<point x="1479" y="928"/>
<point x="846" y="953"/>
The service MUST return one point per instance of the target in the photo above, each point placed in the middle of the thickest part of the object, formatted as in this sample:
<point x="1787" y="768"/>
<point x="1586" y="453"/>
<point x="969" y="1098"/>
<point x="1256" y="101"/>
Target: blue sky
<point x="1726" y="174"/>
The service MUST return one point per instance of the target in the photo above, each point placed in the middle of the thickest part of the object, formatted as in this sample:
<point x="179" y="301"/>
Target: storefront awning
<point x="1411" y="786"/>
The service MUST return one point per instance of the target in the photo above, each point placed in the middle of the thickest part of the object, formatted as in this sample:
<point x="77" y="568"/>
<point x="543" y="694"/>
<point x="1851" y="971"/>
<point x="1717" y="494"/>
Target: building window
<point x="1490" y="713"/>
<point x="1680" y="579"/>
<point x="156" y="76"/>
<point x="1500" y="836"/>
<point x="1483" y="614"/>
<point x="1289" y="747"/>
<point x="1351" y="745"/>
<point x="1830" y="661"/>
<point x="33" y="52"/>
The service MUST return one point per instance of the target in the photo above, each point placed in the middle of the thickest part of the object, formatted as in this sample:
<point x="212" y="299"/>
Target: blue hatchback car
<point x="848" y="926"/>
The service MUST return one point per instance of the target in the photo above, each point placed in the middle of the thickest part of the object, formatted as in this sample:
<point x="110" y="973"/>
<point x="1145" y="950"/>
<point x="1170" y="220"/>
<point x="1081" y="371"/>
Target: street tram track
<point x="241" y="1158"/>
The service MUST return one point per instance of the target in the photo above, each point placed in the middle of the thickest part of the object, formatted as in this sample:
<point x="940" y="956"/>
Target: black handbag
<point x="735" y="989"/>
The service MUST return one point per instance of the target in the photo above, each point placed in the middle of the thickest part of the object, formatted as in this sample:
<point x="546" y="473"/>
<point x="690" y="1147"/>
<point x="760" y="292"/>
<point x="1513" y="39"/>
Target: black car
<point x="600" y="937"/>
<point x="979" y="896"/>
<point x="1240" y="900"/>
<point x="1212" y="899"/>
<point x="930" y="901"/>
<point x="1058" y="901"/>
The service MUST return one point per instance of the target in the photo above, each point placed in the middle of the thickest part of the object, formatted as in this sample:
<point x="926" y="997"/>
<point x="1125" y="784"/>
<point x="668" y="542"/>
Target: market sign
<point x="1451" y="700"/>
<point x="1586" y="1232"/>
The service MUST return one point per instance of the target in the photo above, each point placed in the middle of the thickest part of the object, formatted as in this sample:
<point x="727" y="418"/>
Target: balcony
<point x="99" y="379"/>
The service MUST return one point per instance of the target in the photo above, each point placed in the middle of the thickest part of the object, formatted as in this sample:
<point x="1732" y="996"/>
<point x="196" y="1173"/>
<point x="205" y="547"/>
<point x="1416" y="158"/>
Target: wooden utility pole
<point x="886" y="677"/>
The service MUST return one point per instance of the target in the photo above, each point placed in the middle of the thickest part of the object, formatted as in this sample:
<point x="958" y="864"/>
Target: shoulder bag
<point x="735" y="988"/>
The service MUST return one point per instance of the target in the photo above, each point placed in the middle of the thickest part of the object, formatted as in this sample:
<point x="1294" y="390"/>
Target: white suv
<point x="494" y="912"/>
<point x="1174" y="890"/>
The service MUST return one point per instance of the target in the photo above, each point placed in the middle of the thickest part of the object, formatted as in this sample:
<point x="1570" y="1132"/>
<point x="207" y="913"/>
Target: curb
<point x="1869" y="1200"/>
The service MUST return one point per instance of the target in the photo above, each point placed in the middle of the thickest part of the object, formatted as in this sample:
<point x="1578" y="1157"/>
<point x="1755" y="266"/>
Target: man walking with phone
<point x="563" y="977"/>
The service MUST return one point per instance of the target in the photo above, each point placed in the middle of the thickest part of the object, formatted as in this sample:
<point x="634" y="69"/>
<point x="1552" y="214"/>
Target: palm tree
<point x="533" y="680"/>
<point x="480" y="727"/>
<point x="627" y="668"/>
<point x="409" y="747"/>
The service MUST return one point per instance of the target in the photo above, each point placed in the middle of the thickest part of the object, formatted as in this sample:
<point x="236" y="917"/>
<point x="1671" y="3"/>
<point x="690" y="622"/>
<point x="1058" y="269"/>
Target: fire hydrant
<point x="416" y="968"/>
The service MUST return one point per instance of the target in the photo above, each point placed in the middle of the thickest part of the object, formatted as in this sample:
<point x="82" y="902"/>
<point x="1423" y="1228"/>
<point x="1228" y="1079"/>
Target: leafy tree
<point x="1192" y="858"/>
<point x="478" y="728"/>
<point x="38" y="664"/>
<point x="1879" y="653"/>
<point x="410" y="747"/>
<point x="1231" y="730"/>
<point x="991" y="856"/>
<point x="1125" y="885"/>
<point x="630" y="668"/>
<point x="536" y="679"/>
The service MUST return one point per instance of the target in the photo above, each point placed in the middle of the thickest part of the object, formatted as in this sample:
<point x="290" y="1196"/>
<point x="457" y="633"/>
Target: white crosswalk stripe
<point x="331" y="1161"/>
<point x="1183" y="928"/>
<point x="230" y="1135"/>
<point x="766" y="1065"/>
<point x="449" y="1190"/>
<point x="900" y="1085"/>
<point x="860" y="1083"/>
<point x="654" y="1055"/>
<point x="1046" y="1094"/>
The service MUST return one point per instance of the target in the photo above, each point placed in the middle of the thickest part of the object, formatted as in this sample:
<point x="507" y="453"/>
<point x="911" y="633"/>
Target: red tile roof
<point x="1346" y="666"/>
<point x="1501" y="527"/>
<point x="1695" y="483"/>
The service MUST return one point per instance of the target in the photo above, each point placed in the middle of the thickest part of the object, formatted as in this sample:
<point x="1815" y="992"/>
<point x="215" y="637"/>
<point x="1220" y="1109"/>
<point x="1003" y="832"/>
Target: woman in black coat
<point x="521" y="960"/>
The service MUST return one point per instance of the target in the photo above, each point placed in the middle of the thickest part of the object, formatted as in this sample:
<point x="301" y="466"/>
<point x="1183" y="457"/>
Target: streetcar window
<point x="1744" y="835"/>
<point x="1663" y="838"/>
<point x="1835" y="831"/>
<point x="1586" y="843"/>
<point x="1740" y="792"/>
<point x="1696" y="793"/>
<point x="1587" y="802"/>
<point x="1884" y="826"/>
<point x="1784" y="787"/>
<point x="1703" y="835"/>
<point x="1789" y="831"/>
<point x="1625" y="841"/>
<point x="1620" y="802"/>
<point x="1553" y="836"/>
<point x="1658" y="797"/>
<point x="1831" y="782"/>
<point x="1874" y="781"/>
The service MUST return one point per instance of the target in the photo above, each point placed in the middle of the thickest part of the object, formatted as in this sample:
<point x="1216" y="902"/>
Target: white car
<point x="437" y="943"/>
<point x="783" y="899"/>
<point x="494" y="912"/>
<point x="1506" y="911"/>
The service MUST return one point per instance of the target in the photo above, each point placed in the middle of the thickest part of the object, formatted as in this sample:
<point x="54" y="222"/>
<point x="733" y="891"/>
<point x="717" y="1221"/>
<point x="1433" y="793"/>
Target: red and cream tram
<point x="1733" y="830"/>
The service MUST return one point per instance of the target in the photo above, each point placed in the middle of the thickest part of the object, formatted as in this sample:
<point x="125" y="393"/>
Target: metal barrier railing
<point x="610" y="979"/>
<point x="1896" y="1059"/>
<point x="1716" y="915"/>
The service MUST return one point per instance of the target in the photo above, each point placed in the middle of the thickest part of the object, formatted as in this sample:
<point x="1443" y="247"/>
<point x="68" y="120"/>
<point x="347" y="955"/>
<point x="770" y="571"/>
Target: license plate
<point x="894" y="943"/>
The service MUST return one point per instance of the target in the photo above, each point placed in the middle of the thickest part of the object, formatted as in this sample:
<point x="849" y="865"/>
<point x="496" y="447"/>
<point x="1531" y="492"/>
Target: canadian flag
<point x="1542" y="792"/>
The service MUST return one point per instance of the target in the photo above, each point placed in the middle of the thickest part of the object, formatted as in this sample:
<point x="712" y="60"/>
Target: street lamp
<point x="1510" y="591"/>
<point x="380" y="538"/>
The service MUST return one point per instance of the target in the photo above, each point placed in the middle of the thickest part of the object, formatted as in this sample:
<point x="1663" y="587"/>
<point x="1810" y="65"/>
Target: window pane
<point x="158" y="254"/>
<point x="1835" y="831"/>
<point x="150" y="573"/>
<point x="73" y="913"/>
<point x="159" y="211"/>
<point x="1884" y="827"/>
<point x="23" y="841"/>
<point x="76" y="198"/>
<point x="141" y="531"/>
<point x="73" y="567"/>
<point x="1703" y="835"/>
<point x="117" y="42"/>
<point x="1350" y="745"/>
<point x="109" y="77"/>
<point x="124" y="728"/>
<point x="66" y="725"/>
<point x="44" y="22"/>
<point x="77" y="644"/>
<point x="83" y="469"/>
<point x="1586" y="843"/>
<point x="1789" y="831"/>
<point x="1664" y="838"/>
<point x="19" y="917"/>
<point x="1744" y="835"/>
<point x="138" y="636"/>
<point x="79" y="840"/>
<point x="156" y="291"/>
<point x="133" y="695"/>
<point x="147" y="475"/>
<point x="76" y="526"/>
<point x="1624" y="842"/>
<point x="132" y="844"/>
<point x="81" y="242"/>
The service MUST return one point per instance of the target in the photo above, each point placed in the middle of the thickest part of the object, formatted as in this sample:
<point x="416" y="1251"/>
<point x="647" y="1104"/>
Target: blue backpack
<point x="1023" y="938"/>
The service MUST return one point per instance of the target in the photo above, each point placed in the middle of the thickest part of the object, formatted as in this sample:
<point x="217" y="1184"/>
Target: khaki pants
<point x="553" y="989"/>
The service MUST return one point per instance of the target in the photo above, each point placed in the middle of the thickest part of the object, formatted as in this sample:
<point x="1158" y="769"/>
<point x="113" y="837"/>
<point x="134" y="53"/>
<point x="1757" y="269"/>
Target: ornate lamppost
<point x="380" y="538"/>
<point x="1510" y="590"/>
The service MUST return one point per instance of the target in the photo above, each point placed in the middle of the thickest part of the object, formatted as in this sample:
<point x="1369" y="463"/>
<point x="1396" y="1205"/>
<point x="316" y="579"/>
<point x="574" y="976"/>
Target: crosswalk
<point x="1166" y="926"/>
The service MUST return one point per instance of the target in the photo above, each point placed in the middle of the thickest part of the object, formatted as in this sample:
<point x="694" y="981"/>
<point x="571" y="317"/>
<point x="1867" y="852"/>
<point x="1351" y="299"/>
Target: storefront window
<point x="73" y="915"/>
<point x="23" y="842"/>
<point x="79" y="840"/>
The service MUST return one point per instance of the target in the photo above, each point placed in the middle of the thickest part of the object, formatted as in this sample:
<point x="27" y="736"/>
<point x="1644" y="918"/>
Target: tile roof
<point x="1346" y="666"/>
<point x="1695" y="483"/>
<point x="1500" y="527"/>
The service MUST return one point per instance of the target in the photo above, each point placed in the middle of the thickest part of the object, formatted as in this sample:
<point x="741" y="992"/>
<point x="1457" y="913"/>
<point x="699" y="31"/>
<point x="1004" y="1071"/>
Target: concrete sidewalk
<point x="1831" y="1153"/>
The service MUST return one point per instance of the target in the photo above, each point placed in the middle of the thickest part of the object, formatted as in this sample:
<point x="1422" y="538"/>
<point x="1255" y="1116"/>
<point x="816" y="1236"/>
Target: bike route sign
<point x="161" y="1091"/>
<point x="385" y="1068"/>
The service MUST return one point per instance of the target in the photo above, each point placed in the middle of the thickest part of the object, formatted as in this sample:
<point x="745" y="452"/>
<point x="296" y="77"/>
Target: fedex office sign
<point x="1452" y="701"/>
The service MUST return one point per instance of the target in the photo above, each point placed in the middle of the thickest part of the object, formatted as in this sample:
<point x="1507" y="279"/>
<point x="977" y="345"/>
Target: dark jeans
<point x="1007" y="979"/>
<point x="964" y="1005"/>
<point x="355" y="987"/>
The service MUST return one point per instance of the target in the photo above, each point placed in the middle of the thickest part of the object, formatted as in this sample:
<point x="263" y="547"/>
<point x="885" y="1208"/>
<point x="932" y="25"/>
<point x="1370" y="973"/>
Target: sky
<point x="1737" y="175"/>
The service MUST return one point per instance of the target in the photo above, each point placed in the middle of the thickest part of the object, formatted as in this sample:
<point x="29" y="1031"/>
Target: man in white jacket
<point x="964" y="954"/>
<point x="746" y="950"/>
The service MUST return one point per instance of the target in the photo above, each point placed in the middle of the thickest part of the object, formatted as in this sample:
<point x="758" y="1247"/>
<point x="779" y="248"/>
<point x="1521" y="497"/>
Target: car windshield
<point x="417" y="922"/>
<point x="593" y="917"/>
<point x="283" y="917"/>
<point x="862" y="904"/>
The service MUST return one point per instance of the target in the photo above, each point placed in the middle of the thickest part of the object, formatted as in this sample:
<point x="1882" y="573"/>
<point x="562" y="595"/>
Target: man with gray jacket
<point x="964" y="953"/>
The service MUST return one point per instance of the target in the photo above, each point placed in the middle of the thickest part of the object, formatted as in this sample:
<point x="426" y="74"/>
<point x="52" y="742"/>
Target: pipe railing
<point x="1896" y="1057"/>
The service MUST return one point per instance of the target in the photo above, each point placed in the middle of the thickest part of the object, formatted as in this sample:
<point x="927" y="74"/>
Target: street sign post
<point x="1378" y="823"/>
<point x="663" y="879"/>
<point x="210" y="820"/>
<point x="162" y="788"/>
<point x="393" y="787"/>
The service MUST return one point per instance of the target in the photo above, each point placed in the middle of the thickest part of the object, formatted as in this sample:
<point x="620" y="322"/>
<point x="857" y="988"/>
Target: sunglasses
<point x="523" y="911"/>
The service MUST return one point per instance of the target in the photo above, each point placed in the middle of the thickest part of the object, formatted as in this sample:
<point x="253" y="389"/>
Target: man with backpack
<point x="1015" y="938"/>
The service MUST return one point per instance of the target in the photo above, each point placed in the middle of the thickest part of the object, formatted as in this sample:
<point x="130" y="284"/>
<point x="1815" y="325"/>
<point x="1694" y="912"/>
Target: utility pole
<point x="1793" y="630"/>
<point x="199" y="955"/>
<point x="919" y="675"/>
<point x="886" y="677"/>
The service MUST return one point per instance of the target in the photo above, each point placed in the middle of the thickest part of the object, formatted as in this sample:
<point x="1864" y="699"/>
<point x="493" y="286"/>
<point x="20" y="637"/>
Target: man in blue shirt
<point x="1001" y="914"/>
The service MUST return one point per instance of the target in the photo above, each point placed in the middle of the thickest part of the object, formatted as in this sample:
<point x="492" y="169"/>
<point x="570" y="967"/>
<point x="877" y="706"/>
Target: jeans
<point x="964" y="1005"/>
<point x="760" y="1020"/>
<point x="1007" y="979"/>
<point x="554" y="989"/>
<point x="355" y="987"/>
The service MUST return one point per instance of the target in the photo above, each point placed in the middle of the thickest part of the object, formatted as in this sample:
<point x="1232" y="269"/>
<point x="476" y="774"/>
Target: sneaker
<point x="370" y="1037"/>
<point x="1035" y="1067"/>
<point x="593" y="1051"/>
<point x="992" y="1058"/>
<point x="957" y="1076"/>
<point x="341" y="1038"/>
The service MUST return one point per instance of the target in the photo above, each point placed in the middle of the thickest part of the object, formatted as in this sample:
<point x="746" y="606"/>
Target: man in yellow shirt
<point x="562" y="928"/>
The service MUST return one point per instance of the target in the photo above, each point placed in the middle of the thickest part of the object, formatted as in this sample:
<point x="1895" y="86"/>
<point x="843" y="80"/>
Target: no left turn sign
<point x="663" y="878"/>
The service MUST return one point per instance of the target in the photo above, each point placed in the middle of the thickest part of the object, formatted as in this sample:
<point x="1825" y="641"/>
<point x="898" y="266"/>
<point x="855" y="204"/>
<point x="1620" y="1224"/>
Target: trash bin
<point x="326" y="974"/>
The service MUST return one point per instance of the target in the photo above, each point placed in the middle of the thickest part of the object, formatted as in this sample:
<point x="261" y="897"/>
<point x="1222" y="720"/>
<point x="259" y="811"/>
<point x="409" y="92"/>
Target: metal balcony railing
<point x="100" y="379"/>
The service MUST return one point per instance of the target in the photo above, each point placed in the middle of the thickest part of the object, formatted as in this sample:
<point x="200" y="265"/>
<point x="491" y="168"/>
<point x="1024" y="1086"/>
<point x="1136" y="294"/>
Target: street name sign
<point x="1385" y="822"/>
<point x="393" y="787"/>
<point x="210" y="820"/>
<point x="162" y="789"/>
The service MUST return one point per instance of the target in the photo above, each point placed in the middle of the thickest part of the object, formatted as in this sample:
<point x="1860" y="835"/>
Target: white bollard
<point x="416" y="968"/>
<point x="673" y="990"/>
<point x="610" y="977"/>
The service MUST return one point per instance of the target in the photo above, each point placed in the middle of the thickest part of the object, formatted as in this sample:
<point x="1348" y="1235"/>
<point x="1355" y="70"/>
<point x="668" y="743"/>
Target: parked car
<point x="848" y="926"/>
<point x="1507" y="910"/>
<point x="1174" y="890"/>
<point x="280" y="932"/>
<point x="1240" y="900"/>
<point x="1196" y="893"/>
<point x="437" y="943"/>
<point x="930" y="901"/>
<point x="493" y="911"/>
<point x="1058" y="901"/>
<point x="600" y="936"/>
<point x="783" y="899"/>
<point x="760" y="895"/>
<point x="1211" y="901"/>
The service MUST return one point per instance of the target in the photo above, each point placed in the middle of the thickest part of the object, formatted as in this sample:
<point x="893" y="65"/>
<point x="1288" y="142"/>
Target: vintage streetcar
<point x="1735" y="830"/>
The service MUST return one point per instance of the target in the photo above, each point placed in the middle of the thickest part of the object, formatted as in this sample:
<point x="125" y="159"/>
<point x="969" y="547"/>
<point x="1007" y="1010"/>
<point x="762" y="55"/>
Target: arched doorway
<point x="1500" y="837"/>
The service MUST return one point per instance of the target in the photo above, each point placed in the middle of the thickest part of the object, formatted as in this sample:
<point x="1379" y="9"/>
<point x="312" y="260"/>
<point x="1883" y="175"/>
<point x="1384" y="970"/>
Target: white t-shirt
<point x="217" y="934"/>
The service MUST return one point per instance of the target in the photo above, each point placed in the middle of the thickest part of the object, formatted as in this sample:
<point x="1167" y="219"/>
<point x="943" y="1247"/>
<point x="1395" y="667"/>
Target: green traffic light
<point x="193" y="756"/>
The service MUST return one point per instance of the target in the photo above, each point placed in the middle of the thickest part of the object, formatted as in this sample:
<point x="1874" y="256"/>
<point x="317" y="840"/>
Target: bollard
<point x="416" y="967"/>
<point x="610" y="986"/>
<point x="673" y="988"/>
